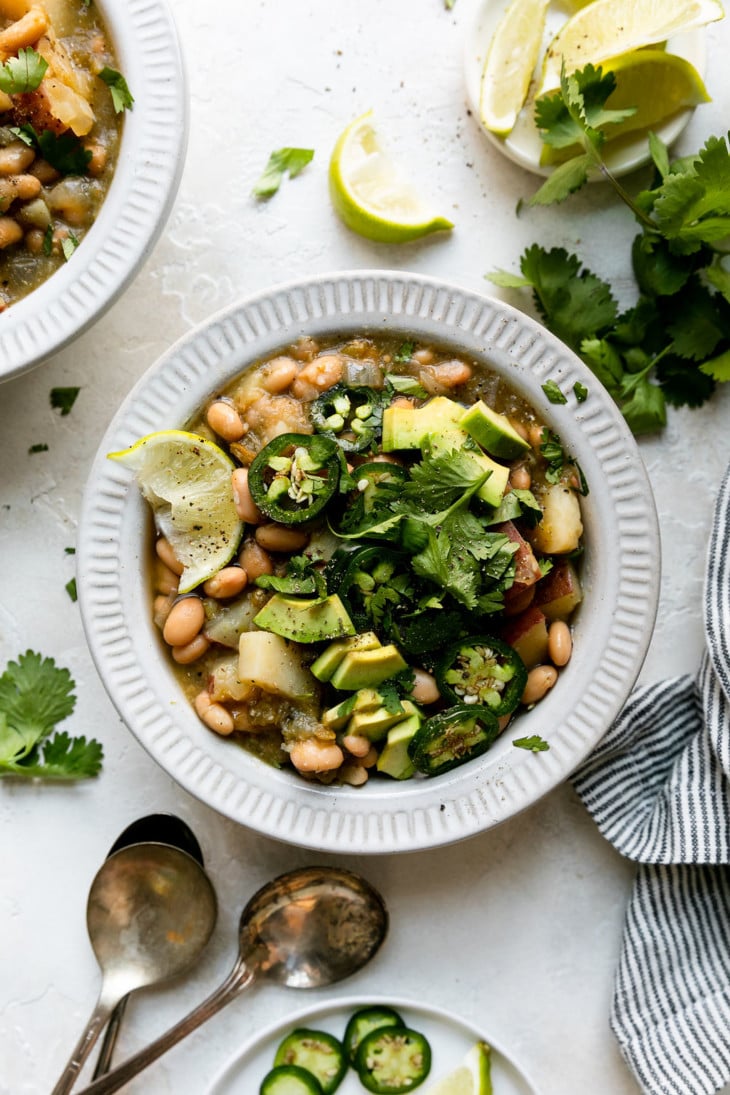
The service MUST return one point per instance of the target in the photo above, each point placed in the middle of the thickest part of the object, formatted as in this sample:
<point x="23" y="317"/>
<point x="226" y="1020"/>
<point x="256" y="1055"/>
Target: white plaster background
<point x="518" y="929"/>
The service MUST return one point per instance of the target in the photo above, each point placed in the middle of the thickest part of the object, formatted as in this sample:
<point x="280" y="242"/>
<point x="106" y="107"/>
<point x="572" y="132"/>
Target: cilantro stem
<point x="635" y="378"/>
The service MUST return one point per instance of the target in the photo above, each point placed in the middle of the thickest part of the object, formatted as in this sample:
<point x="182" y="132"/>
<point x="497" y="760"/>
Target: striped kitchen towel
<point x="658" y="787"/>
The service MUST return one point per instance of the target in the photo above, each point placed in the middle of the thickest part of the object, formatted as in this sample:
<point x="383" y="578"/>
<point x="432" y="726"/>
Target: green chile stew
<point x="408" y="572"/>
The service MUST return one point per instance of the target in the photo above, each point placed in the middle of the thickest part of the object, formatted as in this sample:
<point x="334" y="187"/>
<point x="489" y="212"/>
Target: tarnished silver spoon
<point x="154" y="829"/>
<point x="150" y="912"/>
<point x="306" y="929"/>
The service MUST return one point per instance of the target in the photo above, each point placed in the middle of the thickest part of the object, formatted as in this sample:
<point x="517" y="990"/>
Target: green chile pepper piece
<point x="452" y="737"/>
<point x="294" y="477"/>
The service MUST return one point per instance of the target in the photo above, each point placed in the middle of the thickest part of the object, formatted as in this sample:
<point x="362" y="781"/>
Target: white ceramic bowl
<point x="523" y="144"/>
<point x="145" y="181"/>
<point x="612" y="629"/>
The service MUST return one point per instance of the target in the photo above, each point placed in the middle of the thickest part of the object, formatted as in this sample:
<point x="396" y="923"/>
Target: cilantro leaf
<point x="564" y="181"/>
<point x="23" y="73"/>
<point x="63" y="399"/>
<point x="70" y="588"/>
<point x="283" y="160"/>
<point x="718" y="367"/>
<point x="122" y="98"/>
<point x="534" y="743"/>
<point x="404" y="353"/>
<point x="406" y="385"/>
<point x="580" y="392"/>
<point x="63" y="151"/>
<point x="39" y="447"/>
<point x="69" y="245"/>
<point x="441" y="479"/>
<point x="35" y="694"/>
<point x="574" y="303"/>
<point x="553" y="392"/>
<point x="301" y="578"/>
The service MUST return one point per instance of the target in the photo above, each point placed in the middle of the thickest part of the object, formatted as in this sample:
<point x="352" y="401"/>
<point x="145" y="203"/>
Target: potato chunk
<point x="561" y="527"/>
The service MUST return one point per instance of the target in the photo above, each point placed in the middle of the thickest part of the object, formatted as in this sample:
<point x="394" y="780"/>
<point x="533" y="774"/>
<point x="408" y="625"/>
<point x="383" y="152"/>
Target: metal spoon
<point x="150" y="912"/>
<point x="306" y="929"/>
<point x="155" y="829"/>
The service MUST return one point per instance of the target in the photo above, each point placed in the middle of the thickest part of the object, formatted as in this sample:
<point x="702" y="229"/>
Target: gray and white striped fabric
<point x="658" y="787"/>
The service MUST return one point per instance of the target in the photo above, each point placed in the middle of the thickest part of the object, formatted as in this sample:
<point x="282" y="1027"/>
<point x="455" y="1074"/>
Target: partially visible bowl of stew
<point x="398" y="570"/>
<point x="93" y="128"/>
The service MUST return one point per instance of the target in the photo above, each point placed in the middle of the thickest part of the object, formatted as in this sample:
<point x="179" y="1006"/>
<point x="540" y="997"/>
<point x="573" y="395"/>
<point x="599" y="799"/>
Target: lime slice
<point x="187" y="482"/>
<point x="471" y="1077"/>
<point x="607" y="28"/>
<point x="371" y="195"/>
<point x="510" y="63"/>
<point x="658" y="84"/>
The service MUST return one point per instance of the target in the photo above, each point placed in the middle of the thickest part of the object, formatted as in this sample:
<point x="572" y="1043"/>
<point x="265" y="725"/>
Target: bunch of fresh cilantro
<point x="673" y="345"/>
<point x="35" y="695"/>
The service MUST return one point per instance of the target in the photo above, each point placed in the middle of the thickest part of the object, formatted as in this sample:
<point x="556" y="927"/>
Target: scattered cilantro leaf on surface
<point x="553" y="392"/>
<point x="70" y="588"/>
<point x="35" y="694"/>
<point x="283" y="160"/>
<point x="534" y="743"/>
<point x="48" y="240"/>
<point x="38" y="447"/>
<point x="122" y="98"/>
<point x="23" y="73"/>
<point x="580" y="392"/>
<point x="69" y="551"/>
<point x="63" y="399"/>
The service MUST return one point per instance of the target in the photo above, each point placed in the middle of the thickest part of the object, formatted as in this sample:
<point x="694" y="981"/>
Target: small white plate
<point x="523" y="144"/>
<point x="450" y="1039"/>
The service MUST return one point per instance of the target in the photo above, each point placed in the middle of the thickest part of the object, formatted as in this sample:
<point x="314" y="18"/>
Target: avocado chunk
<point x="367" y="668"/>
<point x="365" y="699"/>
<point x="394" y="760"/>
<point x="272" y="664"/>
<point x="407" y="427"/>
<point x="373" y="724"/>
<point x="324" y="666"/>
<point x="452" y="440"/>
<point x="493" y="431"/>
<point x="305" y="621"/>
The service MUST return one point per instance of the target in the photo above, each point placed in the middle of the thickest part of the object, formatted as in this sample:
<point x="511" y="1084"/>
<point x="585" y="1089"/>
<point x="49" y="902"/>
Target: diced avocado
<point x="452" y="440"/>
<point x="331" y="656"/>
<point x="305" y="621"/>
<point x="493" y="432"/>
<point x="366" y="699"/>
<point x="367" y="668"/>
<point x="406" y="427"/>
<point x="394" y="760"/>
<point x="274" y="665"/>
<point x="373" y="724"/>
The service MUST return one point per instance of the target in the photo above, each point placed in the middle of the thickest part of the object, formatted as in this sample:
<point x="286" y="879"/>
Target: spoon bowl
<point x="305" y="929"/>
<point x="151" y="829"/>
<point x="150" y="912"/>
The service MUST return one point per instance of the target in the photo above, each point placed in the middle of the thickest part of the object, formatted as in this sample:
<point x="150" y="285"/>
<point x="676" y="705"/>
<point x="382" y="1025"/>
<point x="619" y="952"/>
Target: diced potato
<point x="559" y="592"/>
<point x="528" y="634"/>
<point x="223" y="682"/>
<point x="274" y="665"/>
<point x="225" y="624"/>
<point x="68" y="106"/>
<point x="561" y="527"/>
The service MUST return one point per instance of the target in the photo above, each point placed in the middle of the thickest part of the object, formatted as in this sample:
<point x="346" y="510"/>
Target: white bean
<point x="184" y="622"/>
<point x="539" y="682"/>
<point x="313" y="755"/>
<point x="246" y="508"/>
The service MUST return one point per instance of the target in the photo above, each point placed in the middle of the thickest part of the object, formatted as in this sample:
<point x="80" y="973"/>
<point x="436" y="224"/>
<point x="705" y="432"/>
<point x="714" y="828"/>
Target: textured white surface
<point x="518" y="928"/>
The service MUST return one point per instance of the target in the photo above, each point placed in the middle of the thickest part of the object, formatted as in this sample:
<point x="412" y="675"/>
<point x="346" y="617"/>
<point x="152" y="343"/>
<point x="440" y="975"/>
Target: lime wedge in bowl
<point x="510" y="63"/>
<point x="371" y="195"/>
<point x="471" y="1077"/>
<point x="607" y="28"/>
<point x="187" y="481"/>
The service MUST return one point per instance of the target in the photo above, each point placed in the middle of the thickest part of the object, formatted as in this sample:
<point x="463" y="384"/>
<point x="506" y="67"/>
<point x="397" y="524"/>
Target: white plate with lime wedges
<point x="452" y="1041"/>
<point x="591" y="36"/>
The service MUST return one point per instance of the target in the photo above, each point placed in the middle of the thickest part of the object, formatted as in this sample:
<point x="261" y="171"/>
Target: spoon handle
<point x="238" y="979"/>
<point x="84" y="1046"/>
<point x="104" y="1060"/>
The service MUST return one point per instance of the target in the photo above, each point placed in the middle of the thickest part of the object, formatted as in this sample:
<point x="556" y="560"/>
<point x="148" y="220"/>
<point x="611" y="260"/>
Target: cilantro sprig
<point x="673" y="346"/>
<point x="23" y="73"/>
<point x="35" y="694"/>
<point x="281" y="162"/>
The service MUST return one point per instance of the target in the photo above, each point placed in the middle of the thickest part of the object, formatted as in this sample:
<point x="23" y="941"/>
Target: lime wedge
<point x="607" y="28"/>
<point x="510" y="63"/>
<point x="371" y="195"/>
<point x="658" y="84"/>
<point x="471" y="1077"/>
<point x="187" y="482"/>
